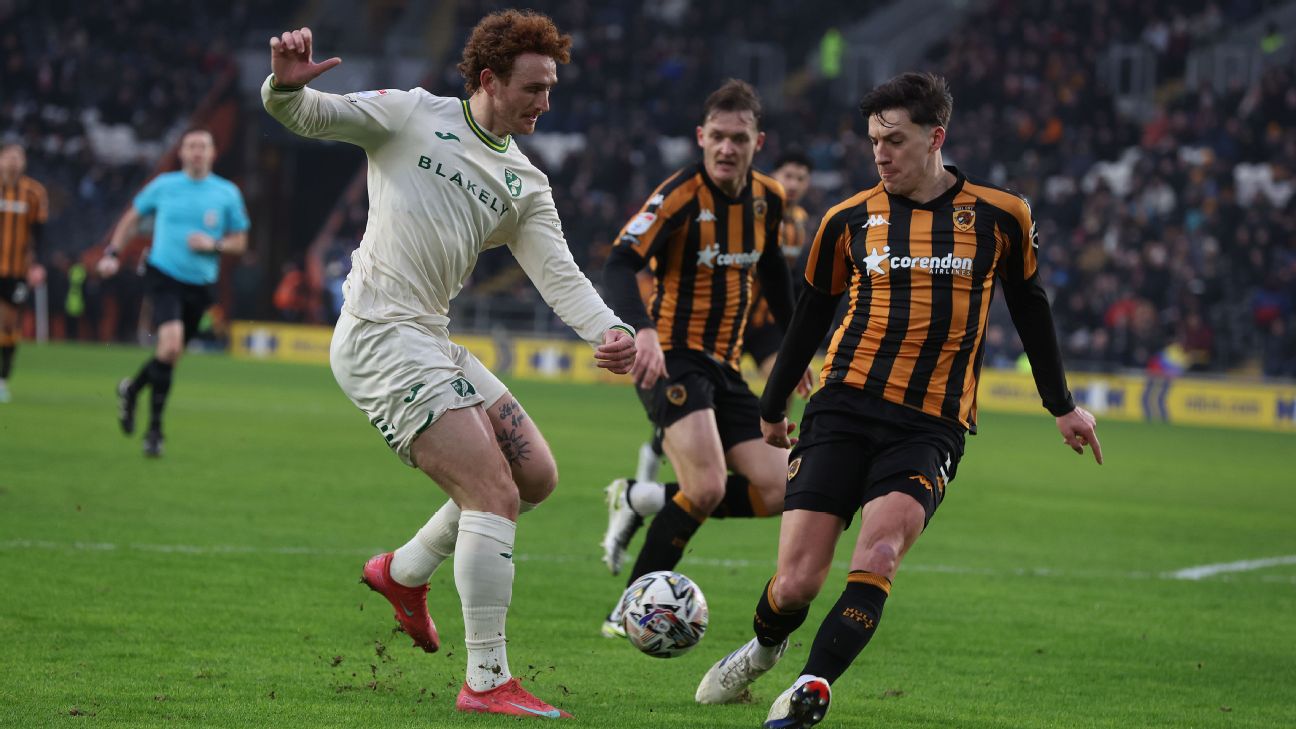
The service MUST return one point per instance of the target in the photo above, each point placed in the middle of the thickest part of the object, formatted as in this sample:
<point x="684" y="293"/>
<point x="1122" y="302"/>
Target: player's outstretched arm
<point x="291" y="61"/>
<point x="1077" y="428"/>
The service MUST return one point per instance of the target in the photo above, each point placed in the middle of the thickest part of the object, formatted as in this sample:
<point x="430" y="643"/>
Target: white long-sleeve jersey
<point x="441" y="191"/>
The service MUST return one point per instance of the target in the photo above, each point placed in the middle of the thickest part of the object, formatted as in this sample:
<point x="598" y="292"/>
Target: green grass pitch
<point x="218" y="585"/>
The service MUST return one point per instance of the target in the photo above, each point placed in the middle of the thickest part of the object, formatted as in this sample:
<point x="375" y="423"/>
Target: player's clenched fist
<point x="291" y="62"/>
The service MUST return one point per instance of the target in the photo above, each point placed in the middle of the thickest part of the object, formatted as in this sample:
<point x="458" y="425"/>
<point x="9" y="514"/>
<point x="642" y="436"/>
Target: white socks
<point x="483" y="572"/>
<point x="646" y="497"/>
<point x="649" y="462"/>
<point x="764" y="657"/>
<point x="414" y="563"/>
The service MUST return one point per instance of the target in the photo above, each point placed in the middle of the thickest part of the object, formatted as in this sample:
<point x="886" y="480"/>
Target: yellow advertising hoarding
<point x="1120" y="397"/>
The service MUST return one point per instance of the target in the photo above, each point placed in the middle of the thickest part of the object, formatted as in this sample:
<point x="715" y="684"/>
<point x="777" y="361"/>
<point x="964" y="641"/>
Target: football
<point x="665" y="614"/>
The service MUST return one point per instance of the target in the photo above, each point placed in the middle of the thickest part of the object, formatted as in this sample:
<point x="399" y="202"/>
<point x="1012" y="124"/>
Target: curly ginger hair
<point x="499" y="38"/>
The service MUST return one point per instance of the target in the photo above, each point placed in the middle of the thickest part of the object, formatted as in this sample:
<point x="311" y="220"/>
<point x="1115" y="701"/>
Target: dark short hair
<point x="793" y="156"/>
<point x="198" y="130"/>
<point x="925" y="96"/>
<point x="733" y="95"/>
<point x="499" y="38"/>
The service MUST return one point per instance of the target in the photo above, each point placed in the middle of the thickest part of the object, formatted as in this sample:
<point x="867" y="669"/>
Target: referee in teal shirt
<point x="198" y="216"/>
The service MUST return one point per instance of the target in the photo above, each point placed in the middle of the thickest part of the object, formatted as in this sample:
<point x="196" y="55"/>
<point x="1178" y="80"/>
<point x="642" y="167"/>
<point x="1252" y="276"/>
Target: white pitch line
<point x="1246" y="565"/>
<point x="1191" y="573"/>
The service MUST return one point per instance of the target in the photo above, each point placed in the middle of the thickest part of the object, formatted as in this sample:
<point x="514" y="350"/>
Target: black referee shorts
<point x="176" y="301"/>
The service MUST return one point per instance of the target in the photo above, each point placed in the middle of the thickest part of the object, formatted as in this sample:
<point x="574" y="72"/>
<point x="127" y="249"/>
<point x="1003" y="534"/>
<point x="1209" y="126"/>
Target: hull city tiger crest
<point x="676" y="395"/>
<point x="964" y="218"/>
<point x="794" y="468"/>
<point x="759" y="207"/>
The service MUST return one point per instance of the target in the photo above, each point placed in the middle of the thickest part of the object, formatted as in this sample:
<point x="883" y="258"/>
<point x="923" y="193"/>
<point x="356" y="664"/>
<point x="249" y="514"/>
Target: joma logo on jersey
<point x="949" y="263"/>
<point x="874" y="221"/>
<point x="712" y="257"/>
<point x="474" y="189"/>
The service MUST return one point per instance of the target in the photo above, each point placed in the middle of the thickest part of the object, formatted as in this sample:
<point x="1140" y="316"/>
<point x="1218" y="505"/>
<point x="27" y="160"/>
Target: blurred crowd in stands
<point x="1167" y="230"/>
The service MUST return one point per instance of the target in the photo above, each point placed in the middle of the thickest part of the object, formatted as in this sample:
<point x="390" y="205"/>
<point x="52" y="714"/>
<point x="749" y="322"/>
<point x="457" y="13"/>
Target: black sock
<point x="160" y="384"/>
<point x="667" y="537"/>
<point x="848" y="626"/>
<point x="741" y="501"/>
<point x="772" y="625"/>
<point x="142" y="378"/>
<point x="6" y="360"/>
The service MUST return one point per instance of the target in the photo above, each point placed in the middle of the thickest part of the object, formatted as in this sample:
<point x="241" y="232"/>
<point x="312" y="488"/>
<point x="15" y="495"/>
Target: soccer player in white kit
<point x="446" y="181"/>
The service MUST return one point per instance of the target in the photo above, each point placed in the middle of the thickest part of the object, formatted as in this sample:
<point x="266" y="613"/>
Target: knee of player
<point x="881" y="558"/>
<point x="498" y="496"/>
<point x="539" y="480"/>
<point x="168" y="353"/>
<point x="795" y="590"/>
<point x="706" y="492"/>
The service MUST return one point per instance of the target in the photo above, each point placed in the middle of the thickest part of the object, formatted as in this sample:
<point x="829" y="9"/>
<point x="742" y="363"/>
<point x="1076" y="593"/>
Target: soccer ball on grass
<point x="664" y="613"/>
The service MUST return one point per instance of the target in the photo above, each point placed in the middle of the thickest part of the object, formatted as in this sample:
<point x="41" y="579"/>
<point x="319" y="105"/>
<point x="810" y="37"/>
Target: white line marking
<point x="1246" y="565"/>
<point x="1191" y="573"/>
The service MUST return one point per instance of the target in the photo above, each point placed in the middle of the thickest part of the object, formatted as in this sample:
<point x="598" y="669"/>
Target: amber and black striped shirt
<point x="920" y="278"/>
<point x="792" y="239"/>
<point x="702" y="247"/>
<point x="23" y="207"/>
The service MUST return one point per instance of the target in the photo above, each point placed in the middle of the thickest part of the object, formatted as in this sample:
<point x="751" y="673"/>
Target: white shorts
<point x="404" y="376"/>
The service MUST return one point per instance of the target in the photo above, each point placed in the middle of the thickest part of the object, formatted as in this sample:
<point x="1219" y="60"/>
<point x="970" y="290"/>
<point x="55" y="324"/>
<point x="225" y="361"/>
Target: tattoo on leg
<point x="516" y="448"/>
<point x="512" y="412"/>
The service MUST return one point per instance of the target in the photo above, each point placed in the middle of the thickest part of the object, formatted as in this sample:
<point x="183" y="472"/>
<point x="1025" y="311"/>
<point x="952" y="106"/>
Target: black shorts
<point x="762" y="341"/>
<point x="855" y="447"/>
<point x="14" y="291"/>
<point x="698" y="382"/>
<point x="176" y="301"/>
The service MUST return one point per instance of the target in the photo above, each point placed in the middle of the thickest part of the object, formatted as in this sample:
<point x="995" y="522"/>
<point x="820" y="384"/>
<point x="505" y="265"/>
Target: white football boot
<point x="729" y="677"/>
<point x="614" y="624"/>
<point x="623" y="522"/>
<point x="803" y="705"/>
